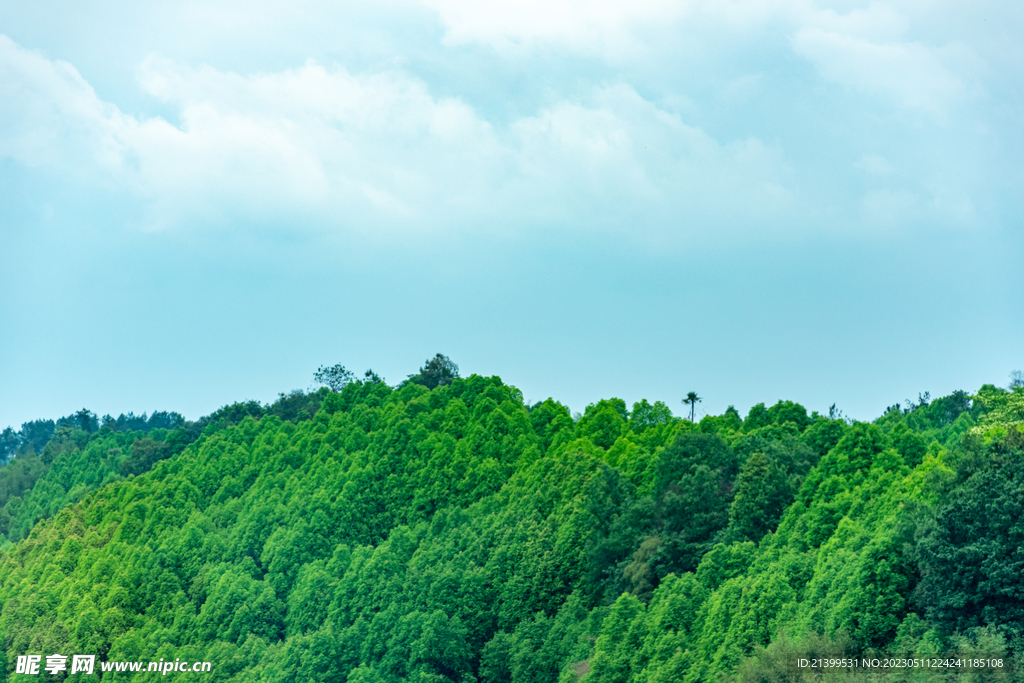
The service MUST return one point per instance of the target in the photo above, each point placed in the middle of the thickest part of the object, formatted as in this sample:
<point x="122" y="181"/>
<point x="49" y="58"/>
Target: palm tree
<point x="692" y="399"/>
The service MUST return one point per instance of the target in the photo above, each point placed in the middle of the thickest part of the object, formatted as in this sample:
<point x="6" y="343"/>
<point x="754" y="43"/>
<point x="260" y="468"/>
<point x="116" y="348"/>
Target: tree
<point x="495" y="660"/>
<point x="85" y="420"/>
<point x="970" y="559"/>
<point x="145" y="453"/>
<point x="234" y="413"/>
<point x="646" y="415"/>
<point x="36" y="433"/>
<point x="336" y="377"/>
<point x="835" y="414"/>
<point x="1016" y="379"/>
<point x="762" y="494"/>
<point x="692" y="399"/>
<point x="756" y="418"/>
<point x="161" y="419"/>
<point x="9" y="442"/>
<point x="788" y="411"/>
<point x="437" y="372"/>
<point x="604" y="422"/>
<point x="691" y="497"/>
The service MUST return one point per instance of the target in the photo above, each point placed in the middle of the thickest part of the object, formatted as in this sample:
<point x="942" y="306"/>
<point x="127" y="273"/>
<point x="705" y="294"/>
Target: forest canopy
<point x="446" y="531"/>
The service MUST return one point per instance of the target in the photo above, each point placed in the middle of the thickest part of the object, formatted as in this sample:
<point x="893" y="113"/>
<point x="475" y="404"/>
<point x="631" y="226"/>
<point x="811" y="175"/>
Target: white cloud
<point x="50" y="116"/>
<point x="620" y="160"/>
<point x="911" y="74"/>
<point x="593" y="25"/>
<point x="865" y="46"/>
<point x="307" y="140"/>
<point x="378" y="151"/>
<point x="608" y="28"/>
<point x="666" y="137"/>
<point x="877" y="22"/>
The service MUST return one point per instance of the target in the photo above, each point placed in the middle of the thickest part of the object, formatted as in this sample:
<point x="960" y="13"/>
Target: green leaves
<point x="454" y="534"/>
<point x="762" y="493"/>
<point x="621" y="637"/>
<point x="603" y="422"/>
<point x="646" y="415"/>
<point x="972" y="557"/>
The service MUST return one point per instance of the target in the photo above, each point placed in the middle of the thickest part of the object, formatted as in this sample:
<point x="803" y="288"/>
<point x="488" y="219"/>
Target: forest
<point x="444" y="530"/>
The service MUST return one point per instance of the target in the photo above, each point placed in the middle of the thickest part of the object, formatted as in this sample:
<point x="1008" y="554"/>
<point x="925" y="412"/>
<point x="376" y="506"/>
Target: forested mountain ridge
<point x="458" y="534"/>
<point x="60" y="461"/>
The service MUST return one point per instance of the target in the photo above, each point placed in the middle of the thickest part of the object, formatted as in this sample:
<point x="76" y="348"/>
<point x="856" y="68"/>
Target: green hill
<point x="456" y="534"/>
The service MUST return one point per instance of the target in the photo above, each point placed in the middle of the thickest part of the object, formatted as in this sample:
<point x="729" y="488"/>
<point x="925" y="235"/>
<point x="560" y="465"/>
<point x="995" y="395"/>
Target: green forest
<point x="444" y="530"/>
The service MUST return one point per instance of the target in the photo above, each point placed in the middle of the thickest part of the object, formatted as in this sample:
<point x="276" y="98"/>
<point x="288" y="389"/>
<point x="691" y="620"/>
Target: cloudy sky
<point x="202" y="202"/>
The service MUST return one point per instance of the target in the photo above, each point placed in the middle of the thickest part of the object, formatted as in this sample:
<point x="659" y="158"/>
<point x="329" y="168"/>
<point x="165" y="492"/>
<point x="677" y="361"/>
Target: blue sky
<point x="202" y="202"/>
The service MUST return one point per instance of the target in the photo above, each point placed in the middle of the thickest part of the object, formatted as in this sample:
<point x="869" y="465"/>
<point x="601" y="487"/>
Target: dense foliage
<point x="445" y="531"/>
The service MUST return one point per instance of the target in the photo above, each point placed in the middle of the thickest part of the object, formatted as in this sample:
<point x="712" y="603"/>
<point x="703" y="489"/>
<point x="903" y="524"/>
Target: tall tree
<point x="645" y="415"/>
<point x="85" y="420"/>
<point x="762" y="494"/>
<point x="336" y="377"/>
<point x="692" y="399"/>
<point x="36" y="433"/>
<point x="437" y="372"/>
<point x="9" y="442"/>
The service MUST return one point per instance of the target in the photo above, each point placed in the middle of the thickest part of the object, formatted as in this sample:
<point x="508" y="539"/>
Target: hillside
<point x="456" y="534"/>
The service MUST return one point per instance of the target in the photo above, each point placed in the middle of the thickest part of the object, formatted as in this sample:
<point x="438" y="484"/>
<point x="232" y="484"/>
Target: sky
<point x="203" y="202"/>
